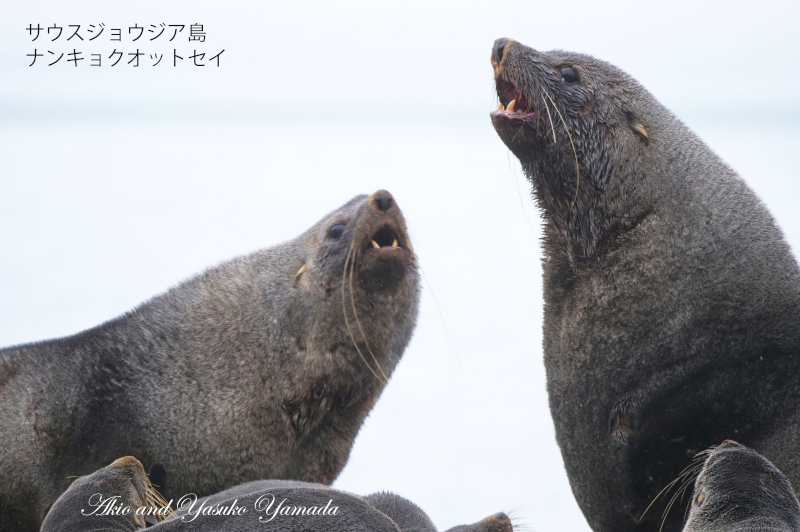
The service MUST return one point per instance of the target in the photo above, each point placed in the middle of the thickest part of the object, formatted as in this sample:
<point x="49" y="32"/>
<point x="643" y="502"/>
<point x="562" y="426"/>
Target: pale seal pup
<point x="264" y="366"/>
<point x="738" y="490"/>
<point x="672" y="301"/>
<point x="248" y="507"/>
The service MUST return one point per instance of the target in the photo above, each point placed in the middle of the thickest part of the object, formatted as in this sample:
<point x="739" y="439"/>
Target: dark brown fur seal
<point x="243" y="508"/>
<point x="672" y="301"/>
<point x="738" y="490"/>
<point x="264" y="366"/>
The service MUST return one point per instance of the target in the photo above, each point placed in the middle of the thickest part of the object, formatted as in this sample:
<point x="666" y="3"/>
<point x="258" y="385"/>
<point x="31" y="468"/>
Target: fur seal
<point x="740" y="490"/>
<point x="264" y="366"/>
<point x="672" y="301"/>
<point x="125" y="478"/>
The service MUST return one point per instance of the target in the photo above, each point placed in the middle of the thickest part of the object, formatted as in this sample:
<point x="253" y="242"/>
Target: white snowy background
<point x="118" y="182"/>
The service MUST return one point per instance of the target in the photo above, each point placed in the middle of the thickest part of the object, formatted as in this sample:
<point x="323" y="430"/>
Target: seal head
<point x="740" y="490"/>
<point x="121" y="484"/>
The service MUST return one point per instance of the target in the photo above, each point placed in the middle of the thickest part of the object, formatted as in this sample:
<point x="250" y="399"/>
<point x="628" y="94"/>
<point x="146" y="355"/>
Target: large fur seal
<point x="264" y="366"/>
<point x="739" y="490"/>
<point x="672" y="301"/>
<point x="272" y="505"/>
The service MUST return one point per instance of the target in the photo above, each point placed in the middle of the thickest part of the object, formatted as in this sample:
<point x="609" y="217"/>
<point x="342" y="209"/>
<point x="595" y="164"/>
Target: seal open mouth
<point x="385" y="237"/>
<point x="383" y="258"/>
<point x="385" y="251"/>
<point x="513" y="102"/>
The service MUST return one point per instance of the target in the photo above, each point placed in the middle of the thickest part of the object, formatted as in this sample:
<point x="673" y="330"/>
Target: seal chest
<point x="671" y="297"/>
<point x="262" y="367"/>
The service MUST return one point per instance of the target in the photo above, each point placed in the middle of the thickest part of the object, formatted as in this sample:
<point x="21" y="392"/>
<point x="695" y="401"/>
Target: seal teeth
<point x="500" y="107"/>
<point x="376" y="245"/>
<point x="510" y="107"/>
<point x="394" y="244"/>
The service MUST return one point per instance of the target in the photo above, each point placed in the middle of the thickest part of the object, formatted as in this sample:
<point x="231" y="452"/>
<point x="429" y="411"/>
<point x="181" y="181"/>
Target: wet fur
<point x="672" y="301"/>
<point x="243" y="372"/>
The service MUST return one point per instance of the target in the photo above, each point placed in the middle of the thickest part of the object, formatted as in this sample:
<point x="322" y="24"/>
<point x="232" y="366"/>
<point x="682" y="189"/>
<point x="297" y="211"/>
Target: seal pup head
<point x="411" y="518"/>
<point x="124" y="480"/>
<point x="498" y="522"/>
<point x="575" y="123"/>
<point x="740" y="490"/>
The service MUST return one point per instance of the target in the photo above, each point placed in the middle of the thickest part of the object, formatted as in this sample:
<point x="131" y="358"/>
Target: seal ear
<point x="635" y="125"/>
<point x="639" y="128"/>
<point x="300" y="272"/>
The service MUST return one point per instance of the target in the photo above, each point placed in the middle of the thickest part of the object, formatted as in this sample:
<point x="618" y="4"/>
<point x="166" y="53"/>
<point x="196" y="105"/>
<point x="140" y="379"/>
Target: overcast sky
<point x="119" y="182"/>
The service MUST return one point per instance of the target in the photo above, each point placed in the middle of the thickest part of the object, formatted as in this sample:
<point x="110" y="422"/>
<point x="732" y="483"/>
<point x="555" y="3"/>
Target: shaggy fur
<point x="672" y="301"/>
<point x="256" y="368"/>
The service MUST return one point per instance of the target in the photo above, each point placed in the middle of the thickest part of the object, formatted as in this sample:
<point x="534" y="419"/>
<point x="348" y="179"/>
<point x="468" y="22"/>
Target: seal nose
<point x="499" y="522"/>
<point x="382" y="200"/>
<point x="499" y="49"/>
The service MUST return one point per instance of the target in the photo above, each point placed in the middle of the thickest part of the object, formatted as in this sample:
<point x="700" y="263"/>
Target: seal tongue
<point x="511" y="98"/>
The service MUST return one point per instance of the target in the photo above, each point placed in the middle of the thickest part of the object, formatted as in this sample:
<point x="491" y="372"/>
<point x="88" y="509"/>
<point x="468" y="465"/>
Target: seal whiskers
<point x="358" y="322"/>
<point x="684" y="480"/>
<point x="344" y="309"/>
<point x="549" y="116"/>
<point x="572" y="143"/>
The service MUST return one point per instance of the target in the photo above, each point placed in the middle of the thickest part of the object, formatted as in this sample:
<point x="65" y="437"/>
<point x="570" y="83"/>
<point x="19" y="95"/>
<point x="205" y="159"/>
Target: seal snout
<point x="382" y="200"/>
<point x="499" y="522"/>
<point x="385" y="218"/>
<point x="498" y="50"/>
<point x="514" y="103"/>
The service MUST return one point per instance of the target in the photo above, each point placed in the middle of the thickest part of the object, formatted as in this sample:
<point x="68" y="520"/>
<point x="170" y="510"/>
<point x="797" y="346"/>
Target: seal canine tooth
<point x="394" y="243"/>
<point x="375" y="245"/>
<point x="500" y="107"/>
<point x="289" y="372"/>
<point x="640" y="234"/>
<point x="510" y="107"/>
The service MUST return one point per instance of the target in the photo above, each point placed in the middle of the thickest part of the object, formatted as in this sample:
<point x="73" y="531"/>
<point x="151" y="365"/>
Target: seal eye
<point x="336" y="231"/>
<point x="568" y="75"/>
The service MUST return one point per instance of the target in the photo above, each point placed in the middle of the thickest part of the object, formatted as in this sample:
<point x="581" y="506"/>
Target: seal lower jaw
<point x="383" y="270"/>
<point x="384" y="259"/>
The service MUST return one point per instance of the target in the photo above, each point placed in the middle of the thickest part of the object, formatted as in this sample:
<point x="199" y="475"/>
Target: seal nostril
<point x="500" y="515"/>
<point x="383" y="200"/>
<point x="499" y="49"/>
